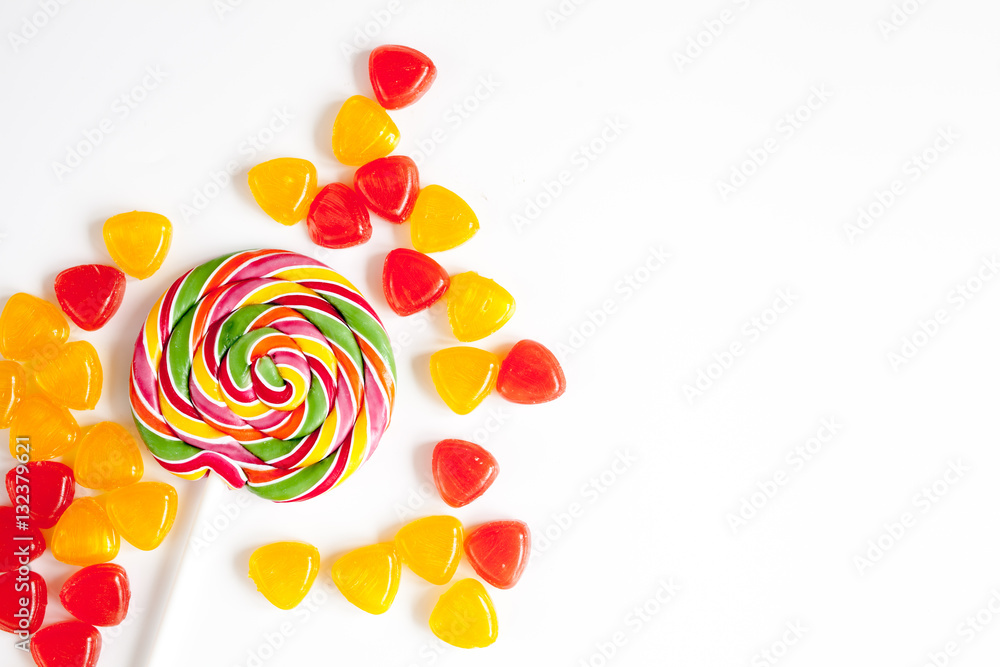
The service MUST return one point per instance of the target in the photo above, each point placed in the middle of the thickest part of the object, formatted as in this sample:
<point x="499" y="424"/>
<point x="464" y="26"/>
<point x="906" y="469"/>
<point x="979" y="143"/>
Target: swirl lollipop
<point x="267" y="368"/>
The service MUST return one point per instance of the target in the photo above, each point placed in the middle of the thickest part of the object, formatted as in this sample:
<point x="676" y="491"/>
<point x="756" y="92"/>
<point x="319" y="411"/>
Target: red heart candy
<point x="90" y="294"/>
<point x="400" y="75"/>
<point x="337" y="218"/>
<point x="50" y="486"/>
<point x="412" y="281"/>
<point x="499" y="551"/>
<point x="98" y="594"/>
<point x="389" y="185"/>
<point x="530" y="373"/>
<point x="13" y="592"/>
<point x="16" y="543"/>
<point x="67" y="644"/>
<point x="462" y="471"/>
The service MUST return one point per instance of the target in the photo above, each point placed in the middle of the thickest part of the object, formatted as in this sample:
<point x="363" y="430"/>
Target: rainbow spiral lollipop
<point x="267" y="368"/>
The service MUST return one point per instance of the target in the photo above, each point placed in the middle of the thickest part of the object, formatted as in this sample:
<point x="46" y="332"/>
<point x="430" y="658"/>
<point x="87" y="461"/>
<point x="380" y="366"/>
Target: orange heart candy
<point x="73" y="379"/>
<point x="108" y="458"/>
<point x="31" y="328"/>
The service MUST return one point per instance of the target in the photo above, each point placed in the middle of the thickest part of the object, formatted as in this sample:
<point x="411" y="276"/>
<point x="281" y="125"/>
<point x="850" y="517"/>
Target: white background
<point x="556" y="84"/>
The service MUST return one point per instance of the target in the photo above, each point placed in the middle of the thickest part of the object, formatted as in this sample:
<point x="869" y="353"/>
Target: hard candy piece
<point x="51" y="429"/>
<point x="441" y="220"/>
<point x="464" y="616"/>
<point x="10" y="528"/>
<point x="369" y="577"/>
<point x="462" y="471"/>
<point x="530" y="373"/>
<point x="143" y="513"/>
<point x="431" y="547"/>
<point x="67" y="644"/>
<point x="84" y="535"/>
<point x="31" y="327"/>
<point x="284" y="572"/>
<point x="50" y="486"/>
<point x="98" y="594"/>
<point x="400" y="75"/>
<point x="107" y="458"/>
<point x="284" y="188"/>
<point x="412" y="281"/>
<point x="73" y="378"/>
<point x="363" y="132"/>
<point x="499" y="551"/>
<point x="477" y="306"/>
<point x="464" y="376"/>
<point x="12" y="383"/>
<point x="138" y="241"/>
<point x="389" y="185"/>
<point x="90" y="294"/>
<point x="14" y="592"/>
<point x="338" y="219"/>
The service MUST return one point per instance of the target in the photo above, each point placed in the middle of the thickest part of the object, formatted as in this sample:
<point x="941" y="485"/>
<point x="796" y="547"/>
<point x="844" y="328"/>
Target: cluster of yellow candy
<point x="368" y="577"/>
<point x="43" y="376"/>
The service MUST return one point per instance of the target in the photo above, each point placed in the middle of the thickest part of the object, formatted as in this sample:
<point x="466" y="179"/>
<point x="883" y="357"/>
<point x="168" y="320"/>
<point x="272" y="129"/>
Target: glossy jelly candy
<point x="12" y="383"/>
<point x="464" y="616"/>
<point x="284" y="188"/>
<point x="441" y="220"/>
<point x="499" y="551"/>
<point x="369" y="577"/>
<point x="530" y="373"/>
<point x="389" y="185"/>
<point x="31" y="327"/>
<point x="464" y="376"/>
<point x="431" y="547"/>
<point x="22" y="602"/>
<point x="98" y="594"/>
<point x="84" y="535"/>
<point x="48" y="430"/>
<point x="462" y="471"/>
<point x="400" y="75"/>
<point x="107" y="458"/>
<point x="12" y="532"/>
<point x="412" y="281"/>
<point x="73" y="378"/>
<point x="363" y="132"/>
<point x="477" y="306"/>
<point x="90" y="294"/>
<point x="66" y="644"/>
<point x="338" y="219"/>
<point x="143" y="513"/>
<point x="138" y="242"/>
<point x="284" y="572"/>
<point x="50" y="486"/>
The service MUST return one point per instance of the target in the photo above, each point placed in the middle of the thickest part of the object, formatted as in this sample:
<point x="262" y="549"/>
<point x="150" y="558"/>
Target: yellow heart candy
<point x="464" y="376"/>
<point x="31" y="328"/>
<point x="143" y="513"/>
<point x="42" y="429"/>
<point x="362" y="132"/>
<point x="284" y="188"/>
<point x="284" y="572"/>
<point x="84" y="535"/>
<point x="431" y="547"/>
<point x="464" y="616"/>
<point x="12" y="382"/>
<point x="138" y="241"/>
<point x="477" y="306"/>
<point x="73" y="379"/>
<point x="441" y="220"/>
<point x="108" y="458"/>
<point x="369" y="577"/>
